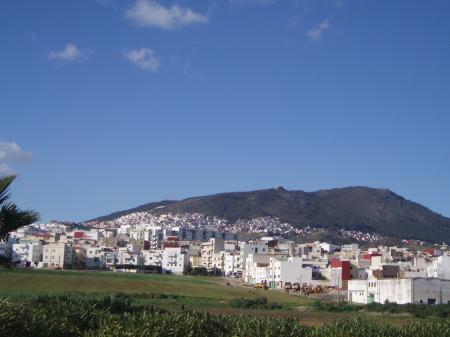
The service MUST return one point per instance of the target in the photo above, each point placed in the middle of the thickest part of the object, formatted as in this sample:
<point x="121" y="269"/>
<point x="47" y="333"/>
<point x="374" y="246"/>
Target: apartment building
<point x="233" y="264"/>
<point x="58" y="255"/>
<point x="27" y="253"/>
<point x="290" y="269"/>
<point x="211" y="256"/>
<point x="175" y="260"/>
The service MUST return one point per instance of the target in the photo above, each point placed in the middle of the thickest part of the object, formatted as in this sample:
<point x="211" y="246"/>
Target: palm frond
<point x="5" y="182"/>
<point x="11" y="218"/>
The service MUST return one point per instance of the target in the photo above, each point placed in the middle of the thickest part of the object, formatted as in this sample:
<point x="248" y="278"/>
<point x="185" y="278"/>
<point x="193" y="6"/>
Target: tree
<point x="11" y="217"/>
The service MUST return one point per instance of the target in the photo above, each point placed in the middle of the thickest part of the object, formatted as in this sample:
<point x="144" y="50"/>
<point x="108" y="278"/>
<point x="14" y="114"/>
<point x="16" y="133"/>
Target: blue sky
<point x="109" y="104"/>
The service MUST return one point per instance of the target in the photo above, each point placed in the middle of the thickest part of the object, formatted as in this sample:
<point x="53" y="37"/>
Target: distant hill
<point x="352" y="208"/>
<point x="152" y="206"/>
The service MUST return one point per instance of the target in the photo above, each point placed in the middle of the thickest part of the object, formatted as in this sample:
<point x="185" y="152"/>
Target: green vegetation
<point x="11" y="217"/>
<point x="193" y="291"/>
<point x="25" y="289"/>
<point x="441" y="310"/>
<point x="64" y="316"/>
<point x="202" y="271"/>
<point x="257" y="303"/>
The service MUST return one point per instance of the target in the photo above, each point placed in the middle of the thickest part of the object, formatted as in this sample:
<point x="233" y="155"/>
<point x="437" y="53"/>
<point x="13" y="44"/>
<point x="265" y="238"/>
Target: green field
<point x="170" y="292"/>
<point x="197" y="291"/>
<point x="62" y="316"/>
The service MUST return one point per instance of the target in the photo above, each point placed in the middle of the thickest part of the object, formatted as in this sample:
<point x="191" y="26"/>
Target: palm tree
<point x="11" y="217"/>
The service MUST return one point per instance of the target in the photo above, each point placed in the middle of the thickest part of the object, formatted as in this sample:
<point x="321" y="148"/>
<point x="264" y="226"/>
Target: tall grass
<point x="65" y="316"/>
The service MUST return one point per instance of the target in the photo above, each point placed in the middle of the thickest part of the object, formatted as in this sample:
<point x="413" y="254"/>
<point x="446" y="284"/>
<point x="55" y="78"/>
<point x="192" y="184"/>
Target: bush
<point x="335" y="307"/>
<point x="257" y="303"/>
<point x="202" y="271"/>
<point x="418" y="310"/>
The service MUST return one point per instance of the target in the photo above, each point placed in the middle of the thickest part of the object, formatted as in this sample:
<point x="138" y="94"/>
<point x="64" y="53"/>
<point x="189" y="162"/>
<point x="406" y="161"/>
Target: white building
<point x="210" y="250"/>
<point x="328" y="247"/>
<point x="252" y="247"/>
<point x="202" y="234"/>
<point x="95" y="257"/>
<point x="282" y="270"/>
<point x="256" y="268"/>
<point x="175" y="260"/>
<point x="154" y="235"/>
<point x="152" y="257"/>
<point x="27" y="254"/>
<point x="57" y="255"/>
<point x="232" y="265"/>
<point x="130" y="255"/>
<point x="399" y="290"/>
<point x="440" y="268"/>
<point x="218" y="261"/>
<point x="351" y="247"/>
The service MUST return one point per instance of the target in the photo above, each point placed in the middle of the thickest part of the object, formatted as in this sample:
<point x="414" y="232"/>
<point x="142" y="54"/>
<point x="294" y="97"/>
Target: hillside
<point x="360" y="208"/>
<point x="142" y="208"/>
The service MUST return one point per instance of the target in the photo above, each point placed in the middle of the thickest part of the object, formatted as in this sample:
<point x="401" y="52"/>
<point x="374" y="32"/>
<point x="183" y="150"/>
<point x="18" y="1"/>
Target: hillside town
<point x="261" y="225"/>
<point x="183" y="244"/>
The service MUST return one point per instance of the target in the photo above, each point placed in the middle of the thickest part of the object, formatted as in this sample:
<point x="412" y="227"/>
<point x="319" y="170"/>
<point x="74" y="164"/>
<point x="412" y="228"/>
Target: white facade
<point x="218" y="260"/>
<point x="210" y="250"/>
<point x="152" y="257"/>
<point x="95" y="258"/>
<point x="27" y="254"/>
<point x="328" y="247"/>
<point x="233" y="265"/>
<point x="351" y="247"/>
<point x="57" y="255"/>
<point x="129" y="255"/>
<point x="256" y="270"/>
<point x="252" y="247"/>
<point x="154" y="235"/>
<point x="440" y="268"/>
<point x="288" y="270"/>
<point x="202" y="234"/>
<point x="400" y="291"/>
<point x="175" y="260"/>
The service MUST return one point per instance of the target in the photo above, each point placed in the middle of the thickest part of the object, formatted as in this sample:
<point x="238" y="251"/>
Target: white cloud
<point x="144" y="58"/>
<point x="147" y="13"/>
<point x="70" y="53"/>
<point x="318" y="30"/>
<point x="11" y="153"/>
<point x="5" y="170"/>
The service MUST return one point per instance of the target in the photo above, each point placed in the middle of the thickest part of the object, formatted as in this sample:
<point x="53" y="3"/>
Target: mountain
<point x="352" y="208"/>
<point x="152" y="206"/>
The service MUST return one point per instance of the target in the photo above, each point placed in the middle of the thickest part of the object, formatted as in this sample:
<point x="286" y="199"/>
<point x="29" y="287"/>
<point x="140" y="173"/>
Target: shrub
<point x="257" y="303"/>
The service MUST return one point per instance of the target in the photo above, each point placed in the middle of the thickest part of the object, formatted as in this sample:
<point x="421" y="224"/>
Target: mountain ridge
<point x="368" y="209"/>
